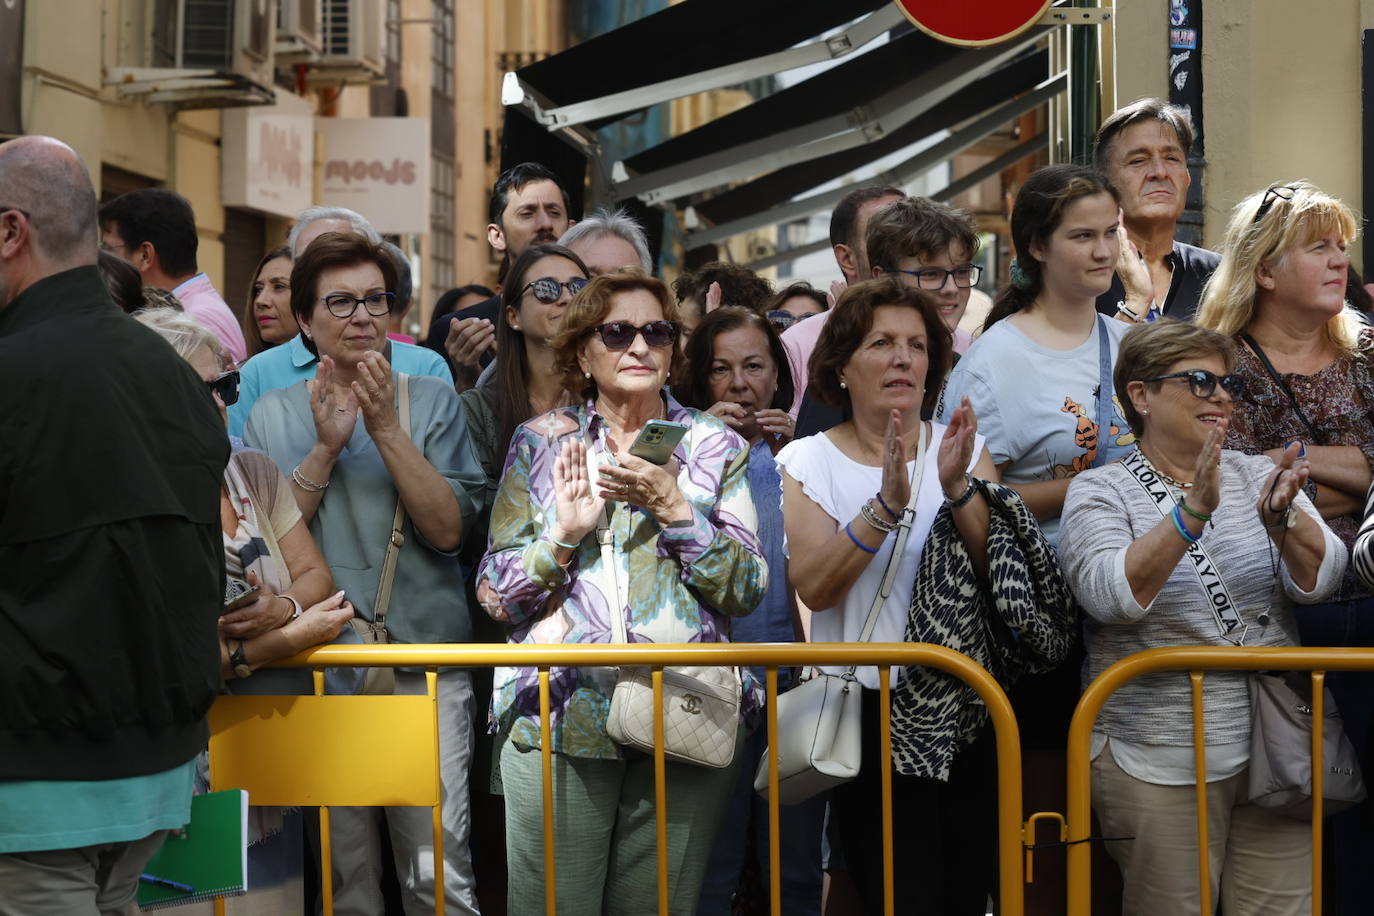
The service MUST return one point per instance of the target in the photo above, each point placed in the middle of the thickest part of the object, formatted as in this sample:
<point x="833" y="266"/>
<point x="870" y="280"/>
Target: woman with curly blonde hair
<point x="1306" y="359"/>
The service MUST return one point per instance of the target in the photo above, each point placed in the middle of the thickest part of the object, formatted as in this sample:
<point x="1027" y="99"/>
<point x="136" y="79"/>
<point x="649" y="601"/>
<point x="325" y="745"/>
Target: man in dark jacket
<point x="111" y="558"/>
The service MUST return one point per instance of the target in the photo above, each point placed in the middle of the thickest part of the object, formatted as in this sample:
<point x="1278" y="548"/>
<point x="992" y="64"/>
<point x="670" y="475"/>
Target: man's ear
<point x="496" y="237"/>
<point x="847" y="259"/>
<point x="145" y="257"/>
<point x="14" y="233"/>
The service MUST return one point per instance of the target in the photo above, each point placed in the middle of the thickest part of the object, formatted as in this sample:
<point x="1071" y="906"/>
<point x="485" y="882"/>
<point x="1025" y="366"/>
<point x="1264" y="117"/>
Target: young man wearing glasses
<point x="1142" y="150"/>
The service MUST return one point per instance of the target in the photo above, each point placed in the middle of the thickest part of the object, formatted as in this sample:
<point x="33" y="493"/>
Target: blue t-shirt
<point x="284" y="366"/>
<point x="771" y="621"/>
<point x="38" y="815"/>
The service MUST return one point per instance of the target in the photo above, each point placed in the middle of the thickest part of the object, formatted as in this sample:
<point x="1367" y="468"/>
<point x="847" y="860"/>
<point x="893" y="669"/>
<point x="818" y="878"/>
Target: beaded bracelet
<point x="871" y="516"/>
<point x="858" y="543"/>
<point x="1183" y="532"/>
<point x="886" y="508"/>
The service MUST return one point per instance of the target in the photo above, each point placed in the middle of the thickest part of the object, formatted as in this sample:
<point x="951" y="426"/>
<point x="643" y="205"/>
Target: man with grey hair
<point x="1142" y="150"/>
<point x="316" y="221"/>
<point x="292" y="362"/>
<point x="607" y="241"/>
<point x="111" y="558"/>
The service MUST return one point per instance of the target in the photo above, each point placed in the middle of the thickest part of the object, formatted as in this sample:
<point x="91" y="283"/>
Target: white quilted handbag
<point x="700" y="705"/>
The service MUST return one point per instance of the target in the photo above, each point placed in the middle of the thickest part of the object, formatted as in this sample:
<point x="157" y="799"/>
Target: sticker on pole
<point x="973" y="22"/>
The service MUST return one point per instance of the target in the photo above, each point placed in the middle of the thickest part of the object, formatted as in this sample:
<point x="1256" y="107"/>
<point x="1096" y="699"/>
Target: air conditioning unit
<point x="232" y="36"/>
<point x="298" y="31"/>
<point x="352" y="42"/>
<point x="200" y="54"/>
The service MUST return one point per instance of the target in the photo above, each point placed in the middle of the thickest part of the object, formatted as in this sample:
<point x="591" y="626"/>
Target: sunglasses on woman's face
<point x="1203" y="384"/>
<point x="226" y="386"/>
<point x="618" y="335"/>
<point x="548" y="290"/>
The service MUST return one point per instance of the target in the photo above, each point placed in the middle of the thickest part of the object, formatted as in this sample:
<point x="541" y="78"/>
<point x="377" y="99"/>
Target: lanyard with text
<point x="1229" y="623"/>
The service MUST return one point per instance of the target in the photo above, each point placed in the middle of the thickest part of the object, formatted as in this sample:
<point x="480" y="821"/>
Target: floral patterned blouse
<point x="1337" y="401"/>
<point x="682" y="581"/>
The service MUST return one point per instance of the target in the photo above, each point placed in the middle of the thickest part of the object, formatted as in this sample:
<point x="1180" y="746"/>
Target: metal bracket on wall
<point x="1078" y="15"/>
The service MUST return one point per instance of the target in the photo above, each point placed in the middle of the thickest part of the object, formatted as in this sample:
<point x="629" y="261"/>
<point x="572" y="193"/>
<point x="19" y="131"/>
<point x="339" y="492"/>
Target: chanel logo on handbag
<point x="691" y="704"/>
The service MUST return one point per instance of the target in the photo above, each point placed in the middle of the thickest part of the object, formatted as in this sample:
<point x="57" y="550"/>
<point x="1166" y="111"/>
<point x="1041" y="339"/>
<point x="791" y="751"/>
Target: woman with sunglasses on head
<point x="1308" y="363"/>
<point x="370" y="449"/>
<point x="1136" y="539"/>
<point x="685" y="557"/>
<point x="267" y="547"/>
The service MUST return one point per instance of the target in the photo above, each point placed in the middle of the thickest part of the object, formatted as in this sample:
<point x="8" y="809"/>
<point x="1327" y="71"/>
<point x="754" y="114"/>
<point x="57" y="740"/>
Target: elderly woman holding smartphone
<point x="686" y="558"/>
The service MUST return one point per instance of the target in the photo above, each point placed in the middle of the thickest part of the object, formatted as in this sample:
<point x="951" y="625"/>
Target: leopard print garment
<point x="1023" y="623"/>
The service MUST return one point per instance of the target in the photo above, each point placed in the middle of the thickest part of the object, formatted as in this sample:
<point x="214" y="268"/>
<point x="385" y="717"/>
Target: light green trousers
<point x="604" y="832"/>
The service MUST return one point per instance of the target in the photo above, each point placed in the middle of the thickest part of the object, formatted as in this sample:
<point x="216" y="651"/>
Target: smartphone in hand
<point x="656" y="441"/>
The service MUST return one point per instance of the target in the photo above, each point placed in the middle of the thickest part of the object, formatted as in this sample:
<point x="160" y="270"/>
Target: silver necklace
<point x="1161" y="475"/>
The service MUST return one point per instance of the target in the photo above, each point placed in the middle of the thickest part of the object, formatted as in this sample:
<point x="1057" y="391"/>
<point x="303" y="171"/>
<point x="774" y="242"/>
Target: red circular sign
<point x="973" y="22"/>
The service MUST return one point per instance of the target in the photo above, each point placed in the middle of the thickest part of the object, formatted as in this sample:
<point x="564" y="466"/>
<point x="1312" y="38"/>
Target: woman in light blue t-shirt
<point x="1040" y="381"/>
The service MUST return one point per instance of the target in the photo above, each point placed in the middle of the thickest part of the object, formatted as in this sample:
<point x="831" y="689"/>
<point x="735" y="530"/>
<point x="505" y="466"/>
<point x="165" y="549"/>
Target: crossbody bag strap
<point x="397" y="536"/>
<point x="1104" y="390"/>
<point x="1278" y="380"/>
<point x="904" y="524"/>
<point x="1230" y="625"/>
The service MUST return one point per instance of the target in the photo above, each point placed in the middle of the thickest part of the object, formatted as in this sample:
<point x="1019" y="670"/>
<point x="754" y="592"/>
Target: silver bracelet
<point x="965" y="496"/>
<point x="870" y="516"/>
<point x="306" y="483"/>
<point x="296" y="609"/>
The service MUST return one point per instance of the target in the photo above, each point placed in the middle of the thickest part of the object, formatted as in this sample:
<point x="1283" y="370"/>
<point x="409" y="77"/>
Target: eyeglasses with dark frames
<point x="1203" y="384"/>
<point x="1275" y="193"/>
<point x="618" y="335"/>
<point x="548" y="290"/>
<point x="342" y="305"/>
<point x="934" y="277"/>
<point x="226" y="386"/>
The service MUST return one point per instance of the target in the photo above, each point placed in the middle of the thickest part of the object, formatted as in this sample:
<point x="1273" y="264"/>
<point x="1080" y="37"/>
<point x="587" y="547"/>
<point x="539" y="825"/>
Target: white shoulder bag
<point x="820" y="721"/>
<point x="700" y="705"/>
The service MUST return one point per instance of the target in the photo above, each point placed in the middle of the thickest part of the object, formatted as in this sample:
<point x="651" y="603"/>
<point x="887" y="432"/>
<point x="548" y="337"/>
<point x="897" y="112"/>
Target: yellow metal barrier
<point x="1194" y="661"/>
<point x="769" y="655"/>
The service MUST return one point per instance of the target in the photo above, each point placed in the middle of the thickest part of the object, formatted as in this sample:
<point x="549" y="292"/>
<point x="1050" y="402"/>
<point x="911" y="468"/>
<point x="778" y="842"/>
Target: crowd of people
<point x="1145" y="444"/>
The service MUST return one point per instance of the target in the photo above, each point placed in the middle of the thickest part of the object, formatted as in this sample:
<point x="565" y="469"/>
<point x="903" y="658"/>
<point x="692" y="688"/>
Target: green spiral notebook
<point x="210" y="855"/>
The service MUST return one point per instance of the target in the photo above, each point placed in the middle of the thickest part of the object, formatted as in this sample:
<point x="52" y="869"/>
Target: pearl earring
<point x="842" y="384"/>
<point x="1145" y="413"/>
<point x="586" y="375"/>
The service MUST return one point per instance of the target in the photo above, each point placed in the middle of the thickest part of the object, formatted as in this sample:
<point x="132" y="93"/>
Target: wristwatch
<point x="238" y="661"/>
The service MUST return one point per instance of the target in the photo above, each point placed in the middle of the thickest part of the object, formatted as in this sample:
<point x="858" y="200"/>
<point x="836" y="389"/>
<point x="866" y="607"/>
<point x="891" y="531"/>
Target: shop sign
<point x="961" y="22"/>
<point x="378" y="167"/>
<point x="268" y="155"/>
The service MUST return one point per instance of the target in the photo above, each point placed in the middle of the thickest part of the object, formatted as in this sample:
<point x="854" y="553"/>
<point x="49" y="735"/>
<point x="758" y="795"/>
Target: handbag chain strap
<point x="904" y="524"/>
<point x="1283" y="386"/>
<point x="397" y="537"/>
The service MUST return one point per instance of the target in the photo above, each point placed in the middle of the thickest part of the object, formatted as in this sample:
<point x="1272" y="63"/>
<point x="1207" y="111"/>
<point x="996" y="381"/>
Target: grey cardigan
<point x="428" y="600"/>
<point x="1104" y="512"/>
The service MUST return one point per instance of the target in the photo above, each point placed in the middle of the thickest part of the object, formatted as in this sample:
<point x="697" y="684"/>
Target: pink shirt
<point x="200" y="300"/>
<point x="799" y="340"/>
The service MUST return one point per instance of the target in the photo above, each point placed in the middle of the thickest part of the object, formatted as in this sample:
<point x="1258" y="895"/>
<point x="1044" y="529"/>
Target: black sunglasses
<point x="1203" y="384"/>
<point x="1271" y="195"/>
<point x="226" y="386"/>
<point x="548" y="290"/>
<point x="618" y="335"/>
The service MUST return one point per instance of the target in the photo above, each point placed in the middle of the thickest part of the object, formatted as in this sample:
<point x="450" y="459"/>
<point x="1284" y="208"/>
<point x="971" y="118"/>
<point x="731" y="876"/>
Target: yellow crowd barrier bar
<point x="1195" y="661"/>
<point x="771" y="656"/>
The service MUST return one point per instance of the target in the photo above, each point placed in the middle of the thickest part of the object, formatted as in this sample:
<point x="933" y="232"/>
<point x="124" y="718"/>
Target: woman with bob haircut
<point x="687" y="559"/>
<point x="1131" y="534"/>
<point x="882" y="354"/>
<point x="353" y="464"/>
<point x="1279" y="292"/>
<point x="737" y="370"/>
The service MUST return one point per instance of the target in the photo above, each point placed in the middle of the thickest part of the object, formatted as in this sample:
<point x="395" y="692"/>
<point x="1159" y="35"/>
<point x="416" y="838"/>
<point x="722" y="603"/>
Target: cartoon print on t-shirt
<point x="1086" y="436"/>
